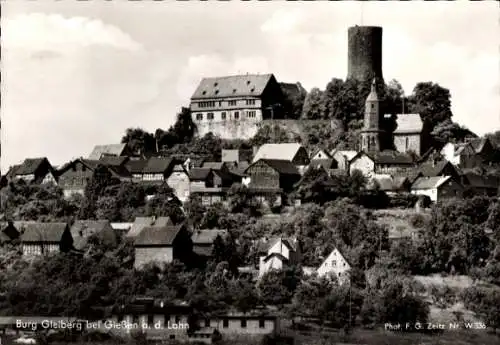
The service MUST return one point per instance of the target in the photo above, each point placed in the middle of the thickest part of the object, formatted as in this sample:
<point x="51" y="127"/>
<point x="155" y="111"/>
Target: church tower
<point x="371" y="133"/>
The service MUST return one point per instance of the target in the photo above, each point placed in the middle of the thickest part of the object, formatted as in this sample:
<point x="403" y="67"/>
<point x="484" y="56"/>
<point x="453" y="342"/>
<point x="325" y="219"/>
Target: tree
<point x="295" y="96"/>
<point x="311" y="296"/>
<point x="449" y="131"/>
<point x="101" y="179"/>
<point x="241" y="200"/>
<point x="139" y="141"/>
<point x="246" y="297"/>
<point x="312" y="105"/>
<point x="273" y="134"/>
<point x="277" y="287"/>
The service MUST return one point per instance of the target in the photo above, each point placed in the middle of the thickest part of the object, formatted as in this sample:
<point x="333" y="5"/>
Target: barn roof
<point x="158" y="235"/>
<point x="207" y="236"/>
<point x="232" y="86"/>
<point x="43" y="232"/>
<point x="430" y="182"/>
<point x="83" y="229"/>
<point x="284" y="167"/>
<point x="112" y="149"/>
<point x="286" y="151"/>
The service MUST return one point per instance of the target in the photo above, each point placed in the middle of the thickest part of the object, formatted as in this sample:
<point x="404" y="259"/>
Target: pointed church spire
<point x="373" y="92"/>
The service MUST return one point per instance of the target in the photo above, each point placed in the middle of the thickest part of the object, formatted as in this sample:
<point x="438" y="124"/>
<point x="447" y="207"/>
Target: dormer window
<point x="204" y="92"/>
<point x="216" y="92"/>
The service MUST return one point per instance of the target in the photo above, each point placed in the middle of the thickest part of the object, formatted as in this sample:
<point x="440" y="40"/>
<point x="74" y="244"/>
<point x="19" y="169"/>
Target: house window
<point x="250" y="101"/>
<point x="334" y="263"/>
<point x="251" y="113"/>
<point x="236" y="114"/>
<point x="407" y="143"/>
<point x="210" y="116"/>
<point x="231" y="103"/>
<point x="243" y="323"/>
<point x="225" y="323"/>
<point x="199" y="116"/>
<point x="220" y="103"/>
<point x="223" y="115"/>
<point x="262" y="323"/>
<point x="373" y="106"/>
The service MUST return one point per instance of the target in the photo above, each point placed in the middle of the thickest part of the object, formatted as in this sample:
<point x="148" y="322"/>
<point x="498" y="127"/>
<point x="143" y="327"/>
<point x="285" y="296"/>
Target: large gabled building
<point x="250" y="97"/>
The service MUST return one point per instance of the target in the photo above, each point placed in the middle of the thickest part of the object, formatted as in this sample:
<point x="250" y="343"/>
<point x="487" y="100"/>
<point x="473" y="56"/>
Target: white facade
<point x="343" y="158"/>
<point x="321" y="154"/>
<point x="448" y="151"/>
<point x="217" y="110"/>
<point x="276" y="256"/>
<point x="334" y="264"/>
<point x="364" y="164"/>
<point x="432" y="193"/>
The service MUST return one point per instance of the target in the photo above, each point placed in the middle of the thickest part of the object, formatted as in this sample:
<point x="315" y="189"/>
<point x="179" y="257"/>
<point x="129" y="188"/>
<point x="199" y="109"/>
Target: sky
<point x="77" y="74"/>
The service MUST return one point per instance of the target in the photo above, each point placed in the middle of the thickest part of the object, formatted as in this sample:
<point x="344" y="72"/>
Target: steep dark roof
<point x="143" y="222"/>
<point x="434" y="168"/>
<point x="284" y="167"/>
<point x="213" y="165"/>
<point x="232" y="86"/>
<point x="430" y="182"/>
<point x="43" y="232"/>
<point x="479" y="181"/>
<point x="391" y="157"/>
<point x="8" y="232"/>
<point x="207" y="236"/>
<point x="158" y="235"/>
<point x="30" y="166"/>
<point x="410" y="175"/>
<point x="198" y="174"/>
<point x="158" y="165"/>
<point x="136" y="166"/>
<point x="83" y="229"/>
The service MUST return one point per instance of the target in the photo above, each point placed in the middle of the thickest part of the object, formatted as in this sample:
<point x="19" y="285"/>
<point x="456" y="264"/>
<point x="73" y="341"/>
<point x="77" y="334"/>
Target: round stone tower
<point x="364" y="53"/>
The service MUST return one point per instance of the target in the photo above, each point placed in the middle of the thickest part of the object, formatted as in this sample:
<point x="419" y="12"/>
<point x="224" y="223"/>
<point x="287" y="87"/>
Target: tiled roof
<point x="232" y="86"/>
<point x="158" y="235"/>
<point x="136" y="166"/>
<point x="282" y="166"/>
<point x="198" y="174"/>
<point x="286" y="151"/>
<point x="158" y="165"/>
<point x="433" y="168"/>
<point x="8" y="233"/>
<point x="410" y="175"/>
<point x="142" y="222"/>
<point x="29" y="166"/>
<point x="43" y="232"/>
<point x="213" y="165"/>
<point x="100" y="150"/>
<point x="207" y="236"/>
<point x="391" y="157"/>
<point x="113" y="160"/>
<point x="408" y="123"/>
<point x="429" y="182"/>
<point x="83" y="229"/>
<point x="479" y="181"/>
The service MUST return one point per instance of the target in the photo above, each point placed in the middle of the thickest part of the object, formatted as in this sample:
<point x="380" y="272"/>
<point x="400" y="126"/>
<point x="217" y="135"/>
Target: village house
<point x="236" y="157"/>
<point x="277" y="253"/>
<point x="83" y="230"/>
<point x="384" y="162"/>
<point x="74" y="176"/>
<point x="44" y="238"/>
<point x="480" y="184"/>
<point x="143" y="222"/>
<point x="343" y="158"/>
<point x="484" y="149"/>
<point x="335" y="264"/>
<point x="251" y="97"/>
<point x="163" y="170"/>
<point x="203" y="241"/>
<point x="36" y="170"/>
<point x="437" y="188"/>
<point x="294" y="153"/>
<point x="116" y="150"/>
<point x="150" y="312"/>
<point x="270" y="179"/>
<point x="328" y="164"/>
<point x="211" y="185"/>
<point x="320" y="154"/>
<point x="162" y="245"/>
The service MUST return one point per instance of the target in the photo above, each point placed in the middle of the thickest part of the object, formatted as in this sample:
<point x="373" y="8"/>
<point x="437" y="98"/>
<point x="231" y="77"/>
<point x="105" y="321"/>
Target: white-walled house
<point x="280" y="253"/>
<point x="335" y="264"/>
<point x="437" y="187"/>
